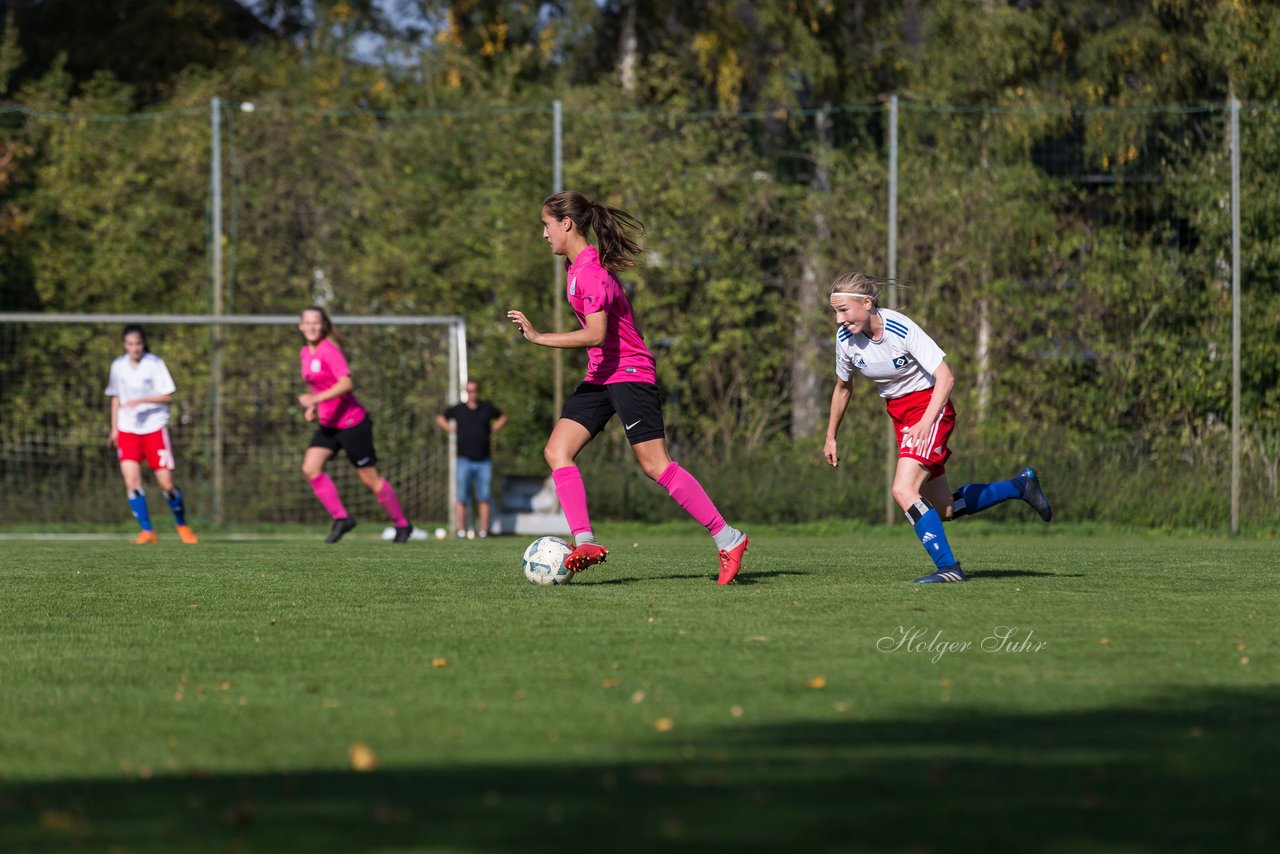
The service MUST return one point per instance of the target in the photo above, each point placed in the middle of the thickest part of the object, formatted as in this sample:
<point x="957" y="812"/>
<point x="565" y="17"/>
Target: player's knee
<point x="311" y="472"/>
<point x="904" y="494"/>
<point x="653" y="470"/>
<point x="555" y="457"/>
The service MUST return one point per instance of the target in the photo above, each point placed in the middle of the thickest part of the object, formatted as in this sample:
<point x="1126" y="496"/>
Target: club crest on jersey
<point x="315" y="366"/>
<point x="573" y="286"/>
<point x="901" y="361"/>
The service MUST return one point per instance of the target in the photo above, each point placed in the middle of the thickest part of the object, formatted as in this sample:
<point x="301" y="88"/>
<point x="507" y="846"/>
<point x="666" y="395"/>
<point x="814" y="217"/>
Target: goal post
<point x="237" y="430"/>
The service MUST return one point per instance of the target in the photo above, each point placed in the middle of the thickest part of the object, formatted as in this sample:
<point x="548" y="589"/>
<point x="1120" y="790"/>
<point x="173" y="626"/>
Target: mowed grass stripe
<point x="642" y="698"/>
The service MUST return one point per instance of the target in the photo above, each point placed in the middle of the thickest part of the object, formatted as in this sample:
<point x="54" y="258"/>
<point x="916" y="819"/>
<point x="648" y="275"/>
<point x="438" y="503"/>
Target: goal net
<point x="237" y="430"/>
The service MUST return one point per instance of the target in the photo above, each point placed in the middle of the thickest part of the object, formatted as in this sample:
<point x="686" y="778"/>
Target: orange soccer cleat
<point x="731" y="560"/>
<point x="585" y="555"/>
<point x="145" y="537"/>
<point x="187" y="535"/>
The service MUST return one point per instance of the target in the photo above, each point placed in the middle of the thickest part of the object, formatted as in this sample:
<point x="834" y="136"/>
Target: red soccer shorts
<point x="153" y="448"/>
<point x="905" y="412"/>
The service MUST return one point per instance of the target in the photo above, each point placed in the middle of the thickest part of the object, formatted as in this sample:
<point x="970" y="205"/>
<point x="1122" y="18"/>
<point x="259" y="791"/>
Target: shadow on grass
<point x="757" y="577"/>
<point x="1195" y="770"/>
<point x="743" y="577"/>
<point x="1022" y="573"/>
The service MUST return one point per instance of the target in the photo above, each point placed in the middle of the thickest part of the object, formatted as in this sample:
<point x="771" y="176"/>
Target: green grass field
<point x="215" y="697"/>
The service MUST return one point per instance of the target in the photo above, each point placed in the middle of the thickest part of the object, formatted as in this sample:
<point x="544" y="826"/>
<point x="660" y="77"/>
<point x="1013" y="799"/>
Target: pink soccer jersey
<point x="622" y="357"/>
<point x="321" y="370"/>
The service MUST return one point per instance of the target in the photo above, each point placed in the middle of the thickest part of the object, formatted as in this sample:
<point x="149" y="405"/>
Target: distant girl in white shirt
<point x="910" y="373"/>
<point x="141" y="389"/>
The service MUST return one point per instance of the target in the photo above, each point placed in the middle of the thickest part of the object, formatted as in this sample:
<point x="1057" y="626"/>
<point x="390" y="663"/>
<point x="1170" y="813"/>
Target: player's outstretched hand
<point x="523" y="324"/>
<point x="830" y="454"/>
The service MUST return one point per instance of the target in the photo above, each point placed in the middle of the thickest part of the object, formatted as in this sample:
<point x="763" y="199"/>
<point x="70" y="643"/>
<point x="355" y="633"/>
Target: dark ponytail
<point x="613" y="227"/>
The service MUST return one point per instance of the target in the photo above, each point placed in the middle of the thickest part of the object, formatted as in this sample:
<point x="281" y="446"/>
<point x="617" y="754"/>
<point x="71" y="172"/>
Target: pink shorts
<point x="905" y="412"/>
<point x="153" y="448"/>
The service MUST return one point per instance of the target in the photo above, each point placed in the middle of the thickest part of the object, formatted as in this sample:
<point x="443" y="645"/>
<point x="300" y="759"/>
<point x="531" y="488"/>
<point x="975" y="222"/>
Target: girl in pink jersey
<point x="621" y="377"/>
<point x="909" y="370"/>
<point x="344" y="424"/>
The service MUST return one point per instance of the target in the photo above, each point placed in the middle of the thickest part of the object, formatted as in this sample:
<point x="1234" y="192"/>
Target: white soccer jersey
<point x="128" y="382"/>
<point x="902" y="361"/>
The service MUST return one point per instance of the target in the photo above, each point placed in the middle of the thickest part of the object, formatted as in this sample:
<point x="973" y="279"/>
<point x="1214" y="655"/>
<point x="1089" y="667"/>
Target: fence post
<point x="1235" y="315"/>
<point x="215" y="362"/>
<point x="457" y="385"/>
<point x="557" y="184"/>
<point x="891" y="446"/>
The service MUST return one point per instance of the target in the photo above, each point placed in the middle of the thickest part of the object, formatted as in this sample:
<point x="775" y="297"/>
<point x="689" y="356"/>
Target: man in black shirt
<point x="474" y="422"/>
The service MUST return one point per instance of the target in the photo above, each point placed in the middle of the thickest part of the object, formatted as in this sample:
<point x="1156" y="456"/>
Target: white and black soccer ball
<point x="543" y="561"/>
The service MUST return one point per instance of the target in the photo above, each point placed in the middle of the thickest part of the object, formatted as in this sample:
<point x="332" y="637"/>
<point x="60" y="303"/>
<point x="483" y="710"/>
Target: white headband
<point x="859" y="296"/>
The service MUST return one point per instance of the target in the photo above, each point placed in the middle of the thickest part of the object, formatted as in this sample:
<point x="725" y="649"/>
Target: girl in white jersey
<point x="141" y="389"/>
<point x="621" y="377"/>
<point x="913" y="377"/>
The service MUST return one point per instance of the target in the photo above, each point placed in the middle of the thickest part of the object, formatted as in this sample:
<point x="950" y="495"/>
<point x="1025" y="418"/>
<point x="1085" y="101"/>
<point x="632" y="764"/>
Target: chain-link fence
<point x="1075" y="265"/>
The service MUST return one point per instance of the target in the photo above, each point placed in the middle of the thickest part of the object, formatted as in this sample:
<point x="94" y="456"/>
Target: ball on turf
<point x="543" y="561"/>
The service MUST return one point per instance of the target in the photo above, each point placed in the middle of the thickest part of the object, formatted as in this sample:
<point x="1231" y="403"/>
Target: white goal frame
<point x="457" y="336"/>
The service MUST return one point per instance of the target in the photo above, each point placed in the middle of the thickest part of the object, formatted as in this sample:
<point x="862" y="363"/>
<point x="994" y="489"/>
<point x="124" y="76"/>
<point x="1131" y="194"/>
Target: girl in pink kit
<point x="344" y="424"/>
<point x="621" y="377"/>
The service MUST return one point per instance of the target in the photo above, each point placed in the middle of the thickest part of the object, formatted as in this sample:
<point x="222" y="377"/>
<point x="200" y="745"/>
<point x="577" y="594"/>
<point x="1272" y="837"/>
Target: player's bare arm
<point x="114" y="435"/>
<point x="839" y="403"/>
<point x="155" y="398"/>
<point x="592" y="335"/>
<point x="338" y="389"/>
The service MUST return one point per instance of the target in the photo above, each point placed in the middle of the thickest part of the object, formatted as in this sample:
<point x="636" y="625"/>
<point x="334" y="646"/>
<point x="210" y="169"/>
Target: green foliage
<point x="1068" y="243"/>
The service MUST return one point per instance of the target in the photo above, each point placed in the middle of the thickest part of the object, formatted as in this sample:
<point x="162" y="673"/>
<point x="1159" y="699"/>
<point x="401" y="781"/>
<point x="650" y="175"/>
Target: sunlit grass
<point x="1085" y="688"/>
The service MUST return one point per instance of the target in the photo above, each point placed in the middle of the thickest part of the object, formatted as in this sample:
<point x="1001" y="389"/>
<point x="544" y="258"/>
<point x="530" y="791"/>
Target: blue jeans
<point x="477" y="474"/>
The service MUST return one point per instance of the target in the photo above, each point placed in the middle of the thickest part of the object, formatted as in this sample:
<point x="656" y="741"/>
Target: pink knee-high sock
<point x="572" y="493"/>
<point x="690" y="495"/>
<point x="387" y="498"/>
<point x="324" y="489"/>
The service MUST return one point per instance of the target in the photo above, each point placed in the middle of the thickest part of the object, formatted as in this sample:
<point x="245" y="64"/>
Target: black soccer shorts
<point x="357" y="441"/>
<point x="637" y="405"/>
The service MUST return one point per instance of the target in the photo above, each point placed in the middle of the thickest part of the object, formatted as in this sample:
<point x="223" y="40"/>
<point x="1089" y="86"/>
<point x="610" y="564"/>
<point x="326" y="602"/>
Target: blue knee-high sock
<point x="175" y="504"/>
<point x="138" y="505"/>
<point x="976" y="497"/>
<point x="928" y="527"/>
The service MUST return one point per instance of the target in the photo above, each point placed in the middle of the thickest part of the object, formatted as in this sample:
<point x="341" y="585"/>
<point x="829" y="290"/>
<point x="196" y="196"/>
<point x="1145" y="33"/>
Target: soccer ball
<point x="543" y="561"/>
